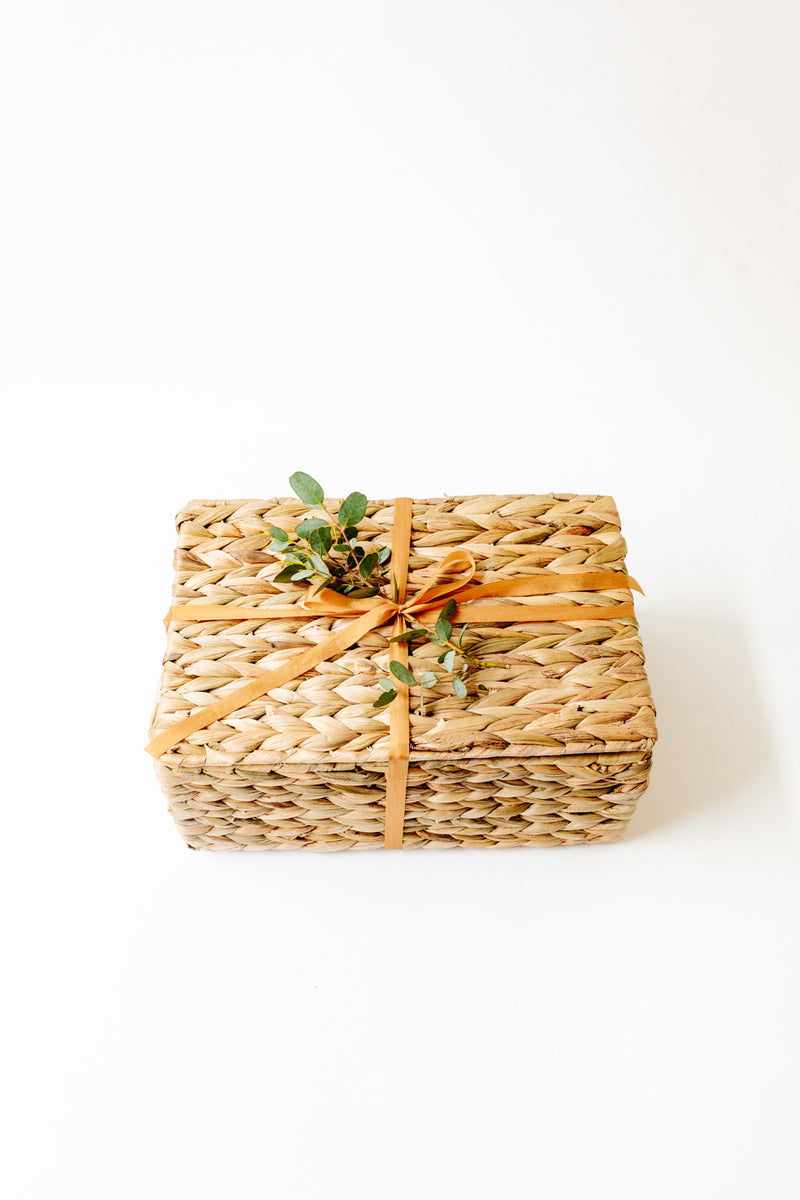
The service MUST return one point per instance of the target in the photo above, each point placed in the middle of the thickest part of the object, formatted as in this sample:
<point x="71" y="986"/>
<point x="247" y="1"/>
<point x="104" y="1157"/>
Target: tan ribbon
<point x="374" y="611"/>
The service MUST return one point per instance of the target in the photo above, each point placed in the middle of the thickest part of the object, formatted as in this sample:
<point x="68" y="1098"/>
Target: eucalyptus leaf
<point x="428" y="678"/>
<point x="353" y="509"/>
<point x="384" y="553"/>
<point x="449" y="659"/>
<point x="311" y="523"/>
<point x="459" y="687"/>
<point x="402" y="673"/>
<point x="443" y="628"/>
<point x="410" y="635"/>
<point x="286" y="574"/>
<point x="318" y="564"/>
<point x="280" y="535"/>
<point x="307" y="488"/>
<point x="448" y="610"/>
<point x="386" y="685"/>
<point x="367" y="565"/>
<point x="384" y="699"/>
<point x="320" y="540"/>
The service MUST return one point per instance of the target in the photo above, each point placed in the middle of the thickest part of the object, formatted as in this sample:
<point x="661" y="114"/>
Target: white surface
<point x="410" y="248"/>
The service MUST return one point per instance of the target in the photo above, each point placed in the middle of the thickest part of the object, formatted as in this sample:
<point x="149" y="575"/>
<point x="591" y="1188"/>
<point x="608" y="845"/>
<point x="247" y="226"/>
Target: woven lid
<point x="557" y="688"/>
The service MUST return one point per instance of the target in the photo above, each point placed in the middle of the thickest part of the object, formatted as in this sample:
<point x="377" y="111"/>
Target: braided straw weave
<point x="556" y="749"/>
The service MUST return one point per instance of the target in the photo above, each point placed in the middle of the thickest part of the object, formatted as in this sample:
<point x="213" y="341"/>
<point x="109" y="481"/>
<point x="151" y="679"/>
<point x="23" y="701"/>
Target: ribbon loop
<point x="431" y="594"/>
<point x="326" y="603"/>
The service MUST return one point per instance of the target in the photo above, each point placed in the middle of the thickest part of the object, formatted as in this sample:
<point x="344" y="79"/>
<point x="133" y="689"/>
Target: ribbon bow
<point x="372" y="612"/>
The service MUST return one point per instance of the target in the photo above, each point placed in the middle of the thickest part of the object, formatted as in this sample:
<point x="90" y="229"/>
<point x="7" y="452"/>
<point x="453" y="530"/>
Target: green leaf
<point x="307" y="489"/>
<point x="410" y="635"/>
<point x="428" y="678"/>
<point x="402" y="673"/>
<point x="351" y="533"/>
<point x="387" y="685"/>
<point x="278" y="547"/>
<point x="459" y="687"/>
<point x="362" y="591"/>
<point x="353" y="509"/>
<point x="318" y="564"/>
<point x="311" y="523"/>
<point x="286" y="574"/>
<point x="280" y="535"/>
<point x="449" y="659"/>
<point x="367" y="565"/>
<point x="384" y="553"/>
<point x="448" y="610"/>
<point x="443" y="628"/>
<point x="463" y="631"/>
<point x="305" y="573"/>
<point x="320" y="540"/>
<point x="384" y="699"/>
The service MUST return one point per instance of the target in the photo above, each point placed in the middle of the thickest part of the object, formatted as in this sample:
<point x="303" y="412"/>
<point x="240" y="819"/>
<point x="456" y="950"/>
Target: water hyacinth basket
<point x="555" y="748"/>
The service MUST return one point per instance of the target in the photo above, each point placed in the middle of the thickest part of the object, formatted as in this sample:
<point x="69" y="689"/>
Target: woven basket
<point x="556" y="749"/>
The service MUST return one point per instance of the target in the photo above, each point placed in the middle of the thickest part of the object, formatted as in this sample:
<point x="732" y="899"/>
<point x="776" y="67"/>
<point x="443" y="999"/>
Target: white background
<point x="412" y="248"/>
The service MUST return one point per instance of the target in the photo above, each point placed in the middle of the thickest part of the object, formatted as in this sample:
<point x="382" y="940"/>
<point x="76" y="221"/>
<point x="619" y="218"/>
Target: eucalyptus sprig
<point x="325" y="549"/>
<point x="325" y="552"/>
<point x="441" y="635"/>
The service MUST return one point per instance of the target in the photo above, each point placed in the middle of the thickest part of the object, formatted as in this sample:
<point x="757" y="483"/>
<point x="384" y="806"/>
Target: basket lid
<point x="554" y="688"/>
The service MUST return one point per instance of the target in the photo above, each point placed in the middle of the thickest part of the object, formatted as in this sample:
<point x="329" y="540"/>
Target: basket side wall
<point x="507" y="802"/>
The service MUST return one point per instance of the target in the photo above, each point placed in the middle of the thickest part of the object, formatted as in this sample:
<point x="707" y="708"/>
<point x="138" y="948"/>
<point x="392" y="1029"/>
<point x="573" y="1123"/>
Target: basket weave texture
<point x="556" y="749"/>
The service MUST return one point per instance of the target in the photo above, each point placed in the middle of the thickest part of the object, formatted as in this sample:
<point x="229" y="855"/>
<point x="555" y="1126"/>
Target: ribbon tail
<point x="295" y="666"/>
<point x="399" y="720"/>
<point x="399" y="746"/>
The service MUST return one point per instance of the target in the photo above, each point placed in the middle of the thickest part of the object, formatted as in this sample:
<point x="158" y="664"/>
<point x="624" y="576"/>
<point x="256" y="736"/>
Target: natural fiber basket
<point x="556" y="749"/>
